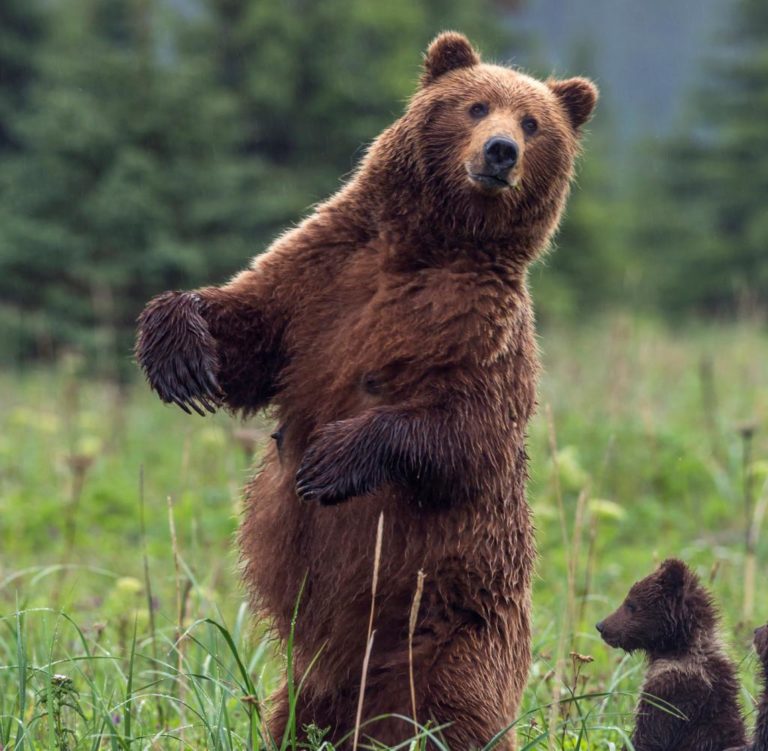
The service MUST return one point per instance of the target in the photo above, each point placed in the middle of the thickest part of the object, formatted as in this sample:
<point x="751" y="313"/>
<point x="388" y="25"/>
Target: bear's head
<point x="761" y="643"/>
<point x="662" y="614"/>
<point x="486" y="150"/>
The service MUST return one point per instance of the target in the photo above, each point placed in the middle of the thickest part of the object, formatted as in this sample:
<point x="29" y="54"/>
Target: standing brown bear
<point x="689" y="699"/>
<point x="392" y="333"/>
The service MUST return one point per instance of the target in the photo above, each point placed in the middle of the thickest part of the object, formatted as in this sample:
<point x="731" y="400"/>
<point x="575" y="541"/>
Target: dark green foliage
<point x="589" y="269"/>
<point x="110" y="196"/>
<point x="702" y="224"/>
<point x="21" y="32"/>
<point x="155" y="144"/>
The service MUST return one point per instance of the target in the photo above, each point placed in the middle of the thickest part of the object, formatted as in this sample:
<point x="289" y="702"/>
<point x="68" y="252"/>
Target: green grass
<point x="647" y="426"/>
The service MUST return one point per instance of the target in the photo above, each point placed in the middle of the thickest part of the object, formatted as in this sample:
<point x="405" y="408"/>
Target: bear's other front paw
<point x="335" y="468"/>
<point x="177" y="353"/>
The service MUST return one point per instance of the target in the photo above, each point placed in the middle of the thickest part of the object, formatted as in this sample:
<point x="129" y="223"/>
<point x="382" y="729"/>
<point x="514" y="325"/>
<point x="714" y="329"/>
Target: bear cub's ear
<point x="674" y="576"/>
<point x="578" y="96"/>
<point x="448" y="51"/>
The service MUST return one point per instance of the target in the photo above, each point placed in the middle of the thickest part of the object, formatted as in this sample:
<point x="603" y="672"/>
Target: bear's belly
<point x="477" y="560"/>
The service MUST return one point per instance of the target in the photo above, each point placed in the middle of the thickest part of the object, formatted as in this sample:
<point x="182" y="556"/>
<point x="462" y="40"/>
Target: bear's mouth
<point x="610" y="639"/>
<point x="492" y="182"/>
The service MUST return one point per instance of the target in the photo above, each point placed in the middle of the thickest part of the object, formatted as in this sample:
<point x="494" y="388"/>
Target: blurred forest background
<point x="155" y="144"/>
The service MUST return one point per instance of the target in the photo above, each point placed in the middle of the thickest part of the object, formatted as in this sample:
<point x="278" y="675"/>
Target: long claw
<point x="181" y="395"/>
<point x="197" y="409"/>
<point x="178" y="403"/>
<point x="213" y="384"/>
<point x="208" y="386"/>
<point x="183" y="391"/>
<point x="206" y="404"/>
<point x="205" y="390"/>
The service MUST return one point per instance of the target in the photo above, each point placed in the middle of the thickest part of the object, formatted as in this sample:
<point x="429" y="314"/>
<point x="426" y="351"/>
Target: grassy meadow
<point x="122" y="619"/>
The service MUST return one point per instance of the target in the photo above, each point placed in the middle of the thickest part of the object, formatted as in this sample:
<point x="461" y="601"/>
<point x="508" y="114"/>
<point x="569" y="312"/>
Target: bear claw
<point x="178" y="354"/>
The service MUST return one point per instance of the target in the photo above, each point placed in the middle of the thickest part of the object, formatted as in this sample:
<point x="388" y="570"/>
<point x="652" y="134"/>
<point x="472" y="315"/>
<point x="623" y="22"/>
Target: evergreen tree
<point x="21" y="33"/>
<point x="122" y="146"/>
<point x="702" y="219"/>
<point x="590" y="270"/>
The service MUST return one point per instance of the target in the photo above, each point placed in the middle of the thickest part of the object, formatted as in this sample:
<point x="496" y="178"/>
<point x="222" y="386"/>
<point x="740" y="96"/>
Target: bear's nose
<point x="501" y="153"/>
<point x="600" y="626"/>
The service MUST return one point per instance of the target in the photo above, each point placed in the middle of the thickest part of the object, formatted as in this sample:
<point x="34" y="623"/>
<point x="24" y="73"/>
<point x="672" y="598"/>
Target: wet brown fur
<point x="689" y="699"/>
<point x="392" y="334"/>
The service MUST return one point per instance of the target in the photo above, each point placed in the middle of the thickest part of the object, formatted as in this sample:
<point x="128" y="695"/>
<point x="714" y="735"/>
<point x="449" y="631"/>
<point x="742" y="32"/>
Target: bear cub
<point x="760" y="739"/>
<point x="689" y="699"/>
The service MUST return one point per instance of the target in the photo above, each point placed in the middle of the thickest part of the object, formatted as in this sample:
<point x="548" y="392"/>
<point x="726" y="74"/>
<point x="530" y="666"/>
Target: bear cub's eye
<point x="530" y="126"/>
<point x="630" y="606"/>
<point x="478" y="110"/>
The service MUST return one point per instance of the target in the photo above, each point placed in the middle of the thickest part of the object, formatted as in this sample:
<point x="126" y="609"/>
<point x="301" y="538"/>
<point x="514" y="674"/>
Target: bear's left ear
<point x="448" y="51"/>
<point x="578" y="97"/>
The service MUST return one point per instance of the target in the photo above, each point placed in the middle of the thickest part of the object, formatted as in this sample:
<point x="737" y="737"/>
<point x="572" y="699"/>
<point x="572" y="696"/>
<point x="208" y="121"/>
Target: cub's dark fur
<point x="689" y="698"/>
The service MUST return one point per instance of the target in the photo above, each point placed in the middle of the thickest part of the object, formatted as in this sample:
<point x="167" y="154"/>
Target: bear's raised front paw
<point x="177" y="353"/>
<point x="334" y="468"/>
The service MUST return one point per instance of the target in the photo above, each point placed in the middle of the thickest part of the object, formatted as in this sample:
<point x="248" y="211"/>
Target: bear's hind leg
<point x="307" y="711"/>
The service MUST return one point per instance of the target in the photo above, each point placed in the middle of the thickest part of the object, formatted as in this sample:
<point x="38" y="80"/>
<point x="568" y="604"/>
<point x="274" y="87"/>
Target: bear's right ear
<point x="448" y="51"/>
<point x="674" y="576"/>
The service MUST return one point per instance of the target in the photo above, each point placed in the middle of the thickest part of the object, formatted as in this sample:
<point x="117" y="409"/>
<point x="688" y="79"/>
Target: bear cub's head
<point x="663" y="614"/>
<point x="493" y="129"/>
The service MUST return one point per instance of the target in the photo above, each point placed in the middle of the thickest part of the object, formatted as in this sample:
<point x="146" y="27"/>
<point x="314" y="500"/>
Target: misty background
<point x="147" y="145"/>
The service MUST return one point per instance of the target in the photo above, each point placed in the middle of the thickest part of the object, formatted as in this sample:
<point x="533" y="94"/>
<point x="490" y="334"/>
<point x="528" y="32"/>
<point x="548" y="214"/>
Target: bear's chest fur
<point x="374" y="336"/>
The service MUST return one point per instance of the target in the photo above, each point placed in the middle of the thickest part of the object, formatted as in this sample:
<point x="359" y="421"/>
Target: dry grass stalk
<point x="415" y="605"/>
<point x="573" y="544"/>
<point x="592" y="539"/>
<point x="148" y="582"/>
<point x="575" y="551"/>
<point x="589" y="569"/>
<point x="713" y="572"/>
<point x="750" y="562"/>
<point x="371" y="632"/>
<point x="552" y="435"/>
<point x="79" y="464"/>
<point x="558" y="670"/>
<point x="747" y="432"/>
<point x="578" y="661"/>
<point x="180" y="607"/>
<point x="710" y="406"/>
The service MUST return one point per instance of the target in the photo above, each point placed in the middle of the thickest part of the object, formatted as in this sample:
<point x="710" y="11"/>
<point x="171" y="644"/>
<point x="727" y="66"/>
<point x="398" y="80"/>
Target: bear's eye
<point x="530" y="126"/>
<point x="478" y="110"/>
<point x="630" y="606"/>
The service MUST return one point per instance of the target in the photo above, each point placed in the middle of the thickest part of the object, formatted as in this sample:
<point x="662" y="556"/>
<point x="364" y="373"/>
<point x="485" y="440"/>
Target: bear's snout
<point x="494" y="163"/>
<point x="501" y="154"/>
<point x="609" y="632"/>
